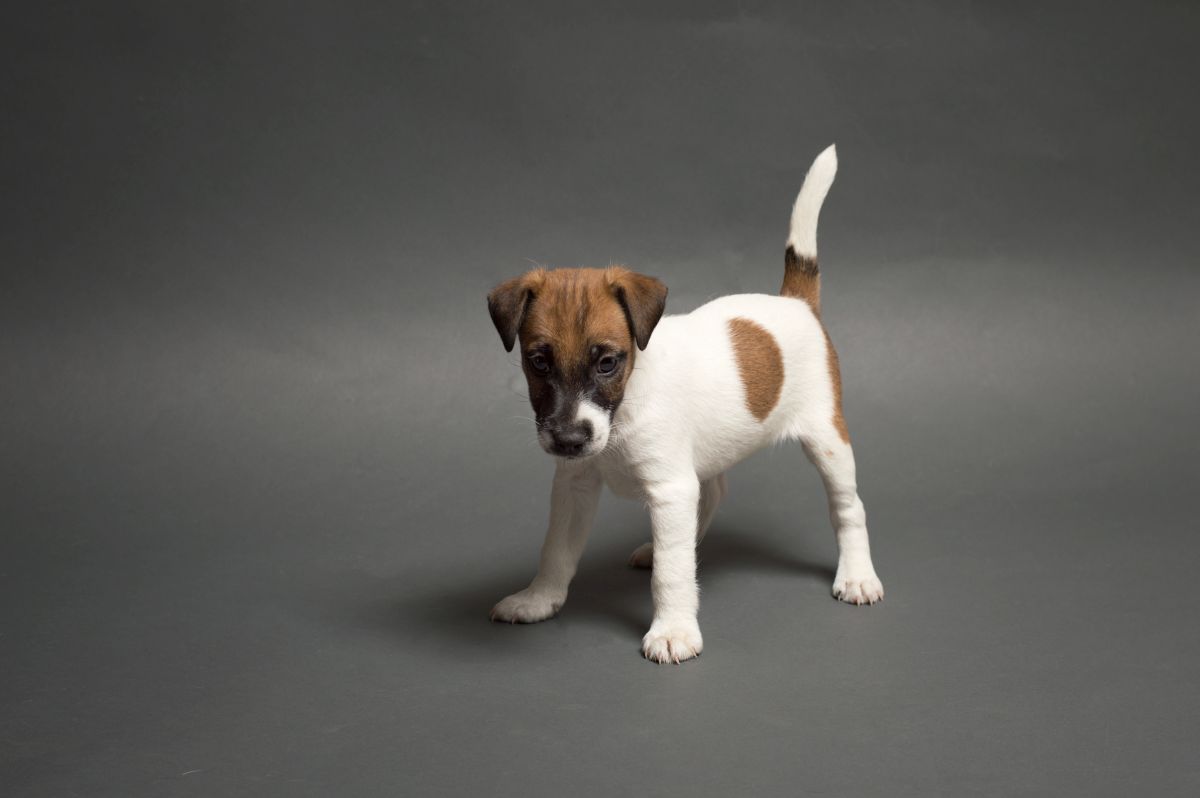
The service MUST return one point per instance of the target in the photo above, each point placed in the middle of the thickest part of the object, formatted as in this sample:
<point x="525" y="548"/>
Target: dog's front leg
<point x="573" y="500"/>
<point x="675" y="633"/>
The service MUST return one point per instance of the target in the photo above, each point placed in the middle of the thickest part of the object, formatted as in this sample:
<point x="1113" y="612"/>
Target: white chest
<point x="620" y="477"/>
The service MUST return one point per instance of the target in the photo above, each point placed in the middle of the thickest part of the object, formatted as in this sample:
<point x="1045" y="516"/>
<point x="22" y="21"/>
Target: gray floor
<point x="264" y="466"/>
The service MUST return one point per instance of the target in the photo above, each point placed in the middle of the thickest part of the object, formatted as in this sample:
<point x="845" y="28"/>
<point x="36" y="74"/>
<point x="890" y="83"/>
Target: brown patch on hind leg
<point x="835" y="377"/>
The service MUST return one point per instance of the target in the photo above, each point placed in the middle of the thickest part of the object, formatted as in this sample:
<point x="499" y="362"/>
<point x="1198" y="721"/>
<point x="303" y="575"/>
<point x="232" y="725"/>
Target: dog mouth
<point x="592" y="452"/>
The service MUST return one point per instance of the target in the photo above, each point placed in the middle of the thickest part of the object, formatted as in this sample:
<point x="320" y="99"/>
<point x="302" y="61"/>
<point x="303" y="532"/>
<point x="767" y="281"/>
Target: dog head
<point x="578" y="329"/>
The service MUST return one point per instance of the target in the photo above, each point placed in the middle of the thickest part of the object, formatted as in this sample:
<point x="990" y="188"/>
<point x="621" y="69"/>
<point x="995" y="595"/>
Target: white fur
<point x="802" y="235"/>
<point x="683" y="422"/>
<point x="594" y="414"/>
<point x="573" y="499"/>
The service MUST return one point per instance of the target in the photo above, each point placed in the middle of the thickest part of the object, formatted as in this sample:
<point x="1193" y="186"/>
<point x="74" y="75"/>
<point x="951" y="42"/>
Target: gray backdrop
<point x="265" y="466"/>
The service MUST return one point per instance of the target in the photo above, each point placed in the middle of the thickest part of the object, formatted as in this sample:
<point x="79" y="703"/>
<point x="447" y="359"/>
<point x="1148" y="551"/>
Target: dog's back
<point x="749" y="369"/>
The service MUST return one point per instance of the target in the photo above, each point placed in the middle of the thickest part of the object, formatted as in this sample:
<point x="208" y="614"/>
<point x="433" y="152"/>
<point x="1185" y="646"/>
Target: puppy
<point x="658" y="408"/>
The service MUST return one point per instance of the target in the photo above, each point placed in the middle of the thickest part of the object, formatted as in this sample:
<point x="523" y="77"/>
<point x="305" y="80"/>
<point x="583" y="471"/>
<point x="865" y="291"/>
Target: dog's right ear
<point x="643" y="298"/>
<point x="507" y="303"/>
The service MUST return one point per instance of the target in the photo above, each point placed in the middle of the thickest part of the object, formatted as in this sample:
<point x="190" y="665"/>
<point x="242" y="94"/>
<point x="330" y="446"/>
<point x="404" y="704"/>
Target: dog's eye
<point x="607" y="365"/>
<point x="539" y="362"/>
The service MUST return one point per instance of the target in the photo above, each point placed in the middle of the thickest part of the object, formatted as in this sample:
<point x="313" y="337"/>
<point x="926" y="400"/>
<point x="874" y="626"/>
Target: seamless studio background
<point x="265" y="467"/>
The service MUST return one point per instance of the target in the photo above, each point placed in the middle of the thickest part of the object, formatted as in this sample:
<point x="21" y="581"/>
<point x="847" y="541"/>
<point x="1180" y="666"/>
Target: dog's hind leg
<point x="712" y="491"/>
<point x="855" y="581"/>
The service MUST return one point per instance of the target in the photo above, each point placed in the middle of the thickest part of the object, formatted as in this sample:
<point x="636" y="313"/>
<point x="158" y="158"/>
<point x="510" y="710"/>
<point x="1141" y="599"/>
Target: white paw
<point x="672" y="642"/>
<point x="528" y="606"/>
<point x="857" y="586"/>
<point x="643" y="556"/>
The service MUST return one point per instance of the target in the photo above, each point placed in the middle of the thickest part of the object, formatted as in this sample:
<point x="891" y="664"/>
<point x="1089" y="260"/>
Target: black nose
<point x="571" y="442"/>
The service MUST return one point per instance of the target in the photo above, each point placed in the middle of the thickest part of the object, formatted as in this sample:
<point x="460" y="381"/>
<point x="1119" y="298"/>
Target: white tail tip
<point x="802" y="237"/>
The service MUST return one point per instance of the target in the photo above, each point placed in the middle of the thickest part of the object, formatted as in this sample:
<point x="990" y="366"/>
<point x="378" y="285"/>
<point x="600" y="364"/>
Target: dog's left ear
<point x="644" y="300"/>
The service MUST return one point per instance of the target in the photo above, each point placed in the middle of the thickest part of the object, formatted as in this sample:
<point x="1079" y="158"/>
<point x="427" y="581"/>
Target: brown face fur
<point x="579" y="330"/>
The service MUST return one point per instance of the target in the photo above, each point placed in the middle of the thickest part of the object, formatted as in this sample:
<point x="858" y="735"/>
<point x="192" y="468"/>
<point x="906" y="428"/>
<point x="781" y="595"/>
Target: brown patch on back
<point x="835" y="376"/>
<point x="760" y="364"/>
<point x="802" y="279"/>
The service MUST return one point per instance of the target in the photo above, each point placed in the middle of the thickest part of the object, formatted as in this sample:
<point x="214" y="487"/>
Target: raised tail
<point x="801" y="277"/>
